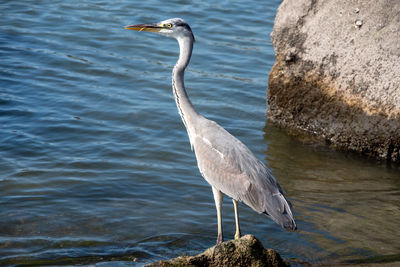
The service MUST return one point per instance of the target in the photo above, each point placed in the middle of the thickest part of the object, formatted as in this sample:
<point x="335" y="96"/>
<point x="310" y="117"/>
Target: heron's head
<point x="176" y="28"/>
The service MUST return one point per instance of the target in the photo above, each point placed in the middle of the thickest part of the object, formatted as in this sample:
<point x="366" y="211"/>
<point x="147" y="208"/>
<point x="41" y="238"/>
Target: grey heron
<point x="224" y="161"/>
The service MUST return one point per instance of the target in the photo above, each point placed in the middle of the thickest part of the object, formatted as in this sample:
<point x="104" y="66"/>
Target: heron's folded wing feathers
<point x="228" y="165"/>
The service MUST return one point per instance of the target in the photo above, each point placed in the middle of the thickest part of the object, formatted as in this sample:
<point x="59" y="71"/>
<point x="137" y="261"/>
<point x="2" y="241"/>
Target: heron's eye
<point x="169" y="25"/>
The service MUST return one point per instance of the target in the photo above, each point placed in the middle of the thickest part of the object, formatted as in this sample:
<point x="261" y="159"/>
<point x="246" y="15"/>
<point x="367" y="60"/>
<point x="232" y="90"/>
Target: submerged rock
<point x="246" y="251"/>
<point x="337" y="73"/>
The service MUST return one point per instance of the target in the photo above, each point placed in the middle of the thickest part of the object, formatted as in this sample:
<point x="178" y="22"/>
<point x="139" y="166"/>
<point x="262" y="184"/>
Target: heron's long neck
<point x="185" y="106"/>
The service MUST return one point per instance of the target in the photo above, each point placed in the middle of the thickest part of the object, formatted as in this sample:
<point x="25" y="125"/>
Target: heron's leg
<point x="218" y="197"/>
<point x="235" y="206"/>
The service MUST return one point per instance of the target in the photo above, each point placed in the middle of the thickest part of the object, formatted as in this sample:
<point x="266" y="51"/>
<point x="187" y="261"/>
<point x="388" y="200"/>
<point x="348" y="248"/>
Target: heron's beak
<point x="145" y="27"/>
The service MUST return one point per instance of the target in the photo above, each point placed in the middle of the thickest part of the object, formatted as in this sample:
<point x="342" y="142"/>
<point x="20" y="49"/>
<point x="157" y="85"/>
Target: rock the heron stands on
<point x="244" y="252"/>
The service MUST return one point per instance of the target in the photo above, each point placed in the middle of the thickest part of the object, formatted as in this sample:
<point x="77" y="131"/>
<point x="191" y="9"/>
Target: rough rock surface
<point x="337" y="73"/>
<point x="247" y="251"/>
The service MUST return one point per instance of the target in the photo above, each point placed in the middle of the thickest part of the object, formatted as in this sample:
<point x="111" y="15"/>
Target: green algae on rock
<point x="246" y="251"/>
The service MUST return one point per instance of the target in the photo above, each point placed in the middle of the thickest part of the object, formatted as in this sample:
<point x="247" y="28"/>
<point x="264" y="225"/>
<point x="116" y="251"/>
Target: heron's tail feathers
<point x="279" y="209"/>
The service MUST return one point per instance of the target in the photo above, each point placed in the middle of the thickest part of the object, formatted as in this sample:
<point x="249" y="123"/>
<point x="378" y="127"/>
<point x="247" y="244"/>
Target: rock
<point x="247" y="251"/>
<point x="337" y="73"/>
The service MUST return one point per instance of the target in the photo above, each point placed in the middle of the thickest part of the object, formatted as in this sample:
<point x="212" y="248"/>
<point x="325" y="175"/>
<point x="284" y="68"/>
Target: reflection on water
<point x="95" y="164"/>
<point x="349" y="206"/>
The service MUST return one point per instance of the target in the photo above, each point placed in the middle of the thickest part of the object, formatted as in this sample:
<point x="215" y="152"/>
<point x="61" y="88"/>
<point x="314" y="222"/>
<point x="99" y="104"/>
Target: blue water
<point x="95" y="164"/>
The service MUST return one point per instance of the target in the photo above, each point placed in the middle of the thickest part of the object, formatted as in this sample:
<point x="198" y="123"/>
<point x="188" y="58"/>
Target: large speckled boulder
<point x="337" y="73"/>
<point x="246" y="252"/>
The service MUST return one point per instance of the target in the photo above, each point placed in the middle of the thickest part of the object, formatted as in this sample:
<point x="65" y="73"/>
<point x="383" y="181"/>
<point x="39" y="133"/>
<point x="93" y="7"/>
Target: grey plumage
<point x="228" y="165"/>
<point x="224" y="161"/>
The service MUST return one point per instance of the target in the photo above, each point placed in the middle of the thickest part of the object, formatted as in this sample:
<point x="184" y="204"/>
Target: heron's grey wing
<point x="229" y="166"/>
<point x="218" y="171"/>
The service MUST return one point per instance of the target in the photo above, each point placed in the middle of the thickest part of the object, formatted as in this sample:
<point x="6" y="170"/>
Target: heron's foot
<point x="237" y="235"/>
<point x="220" y="239"/>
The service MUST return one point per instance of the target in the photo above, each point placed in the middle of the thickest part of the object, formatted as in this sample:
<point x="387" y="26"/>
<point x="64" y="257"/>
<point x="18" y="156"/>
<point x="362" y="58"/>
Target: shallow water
<point x="95" y="164"/>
